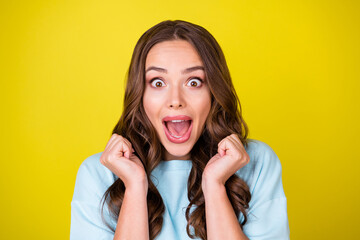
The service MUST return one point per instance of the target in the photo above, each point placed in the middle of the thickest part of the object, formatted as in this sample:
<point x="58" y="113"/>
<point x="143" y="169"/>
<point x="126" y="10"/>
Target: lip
<point x="186" y="135"/>
<point x="178" y="117"/>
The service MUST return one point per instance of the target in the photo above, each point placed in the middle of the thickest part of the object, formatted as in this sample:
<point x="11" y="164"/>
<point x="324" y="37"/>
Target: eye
<point x="195" y="82"/>
<point x="156" y="83"/>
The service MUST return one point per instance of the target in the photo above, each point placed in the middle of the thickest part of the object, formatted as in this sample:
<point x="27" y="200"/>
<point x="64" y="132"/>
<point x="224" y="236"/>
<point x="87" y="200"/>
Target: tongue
<point x="178" y="128"/>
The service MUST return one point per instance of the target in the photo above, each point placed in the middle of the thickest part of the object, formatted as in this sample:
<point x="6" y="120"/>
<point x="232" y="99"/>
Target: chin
<point x="179" y="152"/>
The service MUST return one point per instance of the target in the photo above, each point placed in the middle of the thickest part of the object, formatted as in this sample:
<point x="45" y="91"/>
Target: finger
<point x="239" y="152"/>
<point x="129" y="145"/>
<point x="111" y="141"/>
<point x="109" y="148"/>
<point x="128" y="142"/>
<point x="117" y="147"/>
<point x="125" y="149"/>
<point x="233" y="147"/>
<point x="223" y="147"/>
<point x="235" y="142"/>
<point x="238" y="145"/>
<point x="132" y="149"/>
<point x="116" y="140"/>
<point x="120" y="147"/>
<point x="230" y="136"/>
<point x="236" y="138"/>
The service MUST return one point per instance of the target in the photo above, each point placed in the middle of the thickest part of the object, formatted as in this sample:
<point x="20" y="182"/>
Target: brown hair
<point x="224" y="119"/>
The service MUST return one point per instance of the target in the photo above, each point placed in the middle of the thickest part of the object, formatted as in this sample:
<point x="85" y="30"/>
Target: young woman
<point x="178" y="164"/>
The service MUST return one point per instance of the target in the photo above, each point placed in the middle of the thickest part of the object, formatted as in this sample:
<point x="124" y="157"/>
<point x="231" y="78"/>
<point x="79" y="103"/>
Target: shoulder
<point x="264" y="168"/>
<point x="258" y="148"/>
<point x="262" y="154"/>
<point x="92" y="169"/>
<point x="92" y="179"/>
<point x="267" y="213"/>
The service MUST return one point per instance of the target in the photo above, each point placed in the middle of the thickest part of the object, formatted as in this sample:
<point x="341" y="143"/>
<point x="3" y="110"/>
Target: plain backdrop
<point x="295" y="65"/>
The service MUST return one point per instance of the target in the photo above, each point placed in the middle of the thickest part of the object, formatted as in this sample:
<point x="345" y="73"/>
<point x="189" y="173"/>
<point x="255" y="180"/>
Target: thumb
<point x="222" y="148"/>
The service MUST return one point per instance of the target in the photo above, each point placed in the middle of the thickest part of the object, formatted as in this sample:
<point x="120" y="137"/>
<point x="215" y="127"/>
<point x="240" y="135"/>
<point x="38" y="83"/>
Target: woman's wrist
<point x="139" y="187"/>
<point x="209" y="185"/>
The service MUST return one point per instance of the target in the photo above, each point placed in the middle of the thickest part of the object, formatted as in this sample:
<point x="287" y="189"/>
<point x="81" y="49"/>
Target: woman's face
<point x="177" y="99"/>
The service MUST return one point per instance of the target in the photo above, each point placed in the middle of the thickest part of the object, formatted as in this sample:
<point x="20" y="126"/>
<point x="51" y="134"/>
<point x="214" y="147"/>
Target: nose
<point x="176" y="98"/>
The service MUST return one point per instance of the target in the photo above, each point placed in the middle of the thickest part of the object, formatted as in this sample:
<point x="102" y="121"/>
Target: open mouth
<point x="177" y="130"/>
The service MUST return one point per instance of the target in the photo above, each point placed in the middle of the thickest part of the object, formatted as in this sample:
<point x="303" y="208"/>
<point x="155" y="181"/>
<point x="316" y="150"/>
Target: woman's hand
<point x="231" y="157"/>
<point x="118" y="157"/>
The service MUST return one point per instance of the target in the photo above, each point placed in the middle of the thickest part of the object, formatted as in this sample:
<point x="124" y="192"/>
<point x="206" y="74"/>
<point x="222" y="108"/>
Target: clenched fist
<point x="118" y="157"/>
<point x="231" y="157"/>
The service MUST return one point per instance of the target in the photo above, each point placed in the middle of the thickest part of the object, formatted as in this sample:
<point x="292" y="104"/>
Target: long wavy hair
<point x="224" y="119"/>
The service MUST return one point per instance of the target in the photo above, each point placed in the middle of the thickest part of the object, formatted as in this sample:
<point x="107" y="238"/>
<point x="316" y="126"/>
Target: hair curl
<point x="224" y="119"/>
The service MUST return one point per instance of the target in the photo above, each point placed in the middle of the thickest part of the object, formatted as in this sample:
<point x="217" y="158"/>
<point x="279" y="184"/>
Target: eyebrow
<point x="187" y="70"/>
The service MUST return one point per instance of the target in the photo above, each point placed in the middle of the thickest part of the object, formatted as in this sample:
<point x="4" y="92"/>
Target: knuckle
<point x="242" y="157"/>
<point x="127" y="142"/>
<point x="247" y="158"/>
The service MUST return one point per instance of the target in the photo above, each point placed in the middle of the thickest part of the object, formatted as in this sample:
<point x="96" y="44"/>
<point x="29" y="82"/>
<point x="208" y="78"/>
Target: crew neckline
<point x="175" y="164"/>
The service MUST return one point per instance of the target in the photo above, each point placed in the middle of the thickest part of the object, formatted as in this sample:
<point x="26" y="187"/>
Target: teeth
<point x="177" y="120"/>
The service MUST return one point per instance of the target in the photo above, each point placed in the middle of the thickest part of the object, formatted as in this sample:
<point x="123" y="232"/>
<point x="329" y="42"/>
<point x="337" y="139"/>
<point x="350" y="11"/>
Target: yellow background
<point x="295" y="65"/>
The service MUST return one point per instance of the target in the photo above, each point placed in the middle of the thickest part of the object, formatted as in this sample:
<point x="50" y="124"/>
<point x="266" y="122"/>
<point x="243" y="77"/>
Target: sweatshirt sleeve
<point x="267" y="213"/>
<point x="92" y="181"/>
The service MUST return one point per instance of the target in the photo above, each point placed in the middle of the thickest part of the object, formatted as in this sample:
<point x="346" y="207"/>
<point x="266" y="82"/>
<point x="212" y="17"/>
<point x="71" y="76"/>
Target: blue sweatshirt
<point x="267" y="213"/>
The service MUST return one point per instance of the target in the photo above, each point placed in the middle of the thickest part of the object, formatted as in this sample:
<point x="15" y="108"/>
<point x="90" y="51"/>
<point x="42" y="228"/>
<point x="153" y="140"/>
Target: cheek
<point x="206" y="103"/>
<point x="204" y="107"/>
<point x="150" y="106"/>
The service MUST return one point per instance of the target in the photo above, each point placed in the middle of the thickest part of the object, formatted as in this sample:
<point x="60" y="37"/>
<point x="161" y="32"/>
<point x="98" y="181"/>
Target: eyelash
<point x="197" y="78"/>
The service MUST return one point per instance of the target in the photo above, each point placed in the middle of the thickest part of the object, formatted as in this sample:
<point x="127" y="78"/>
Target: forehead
<point x="179" y="51"/>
